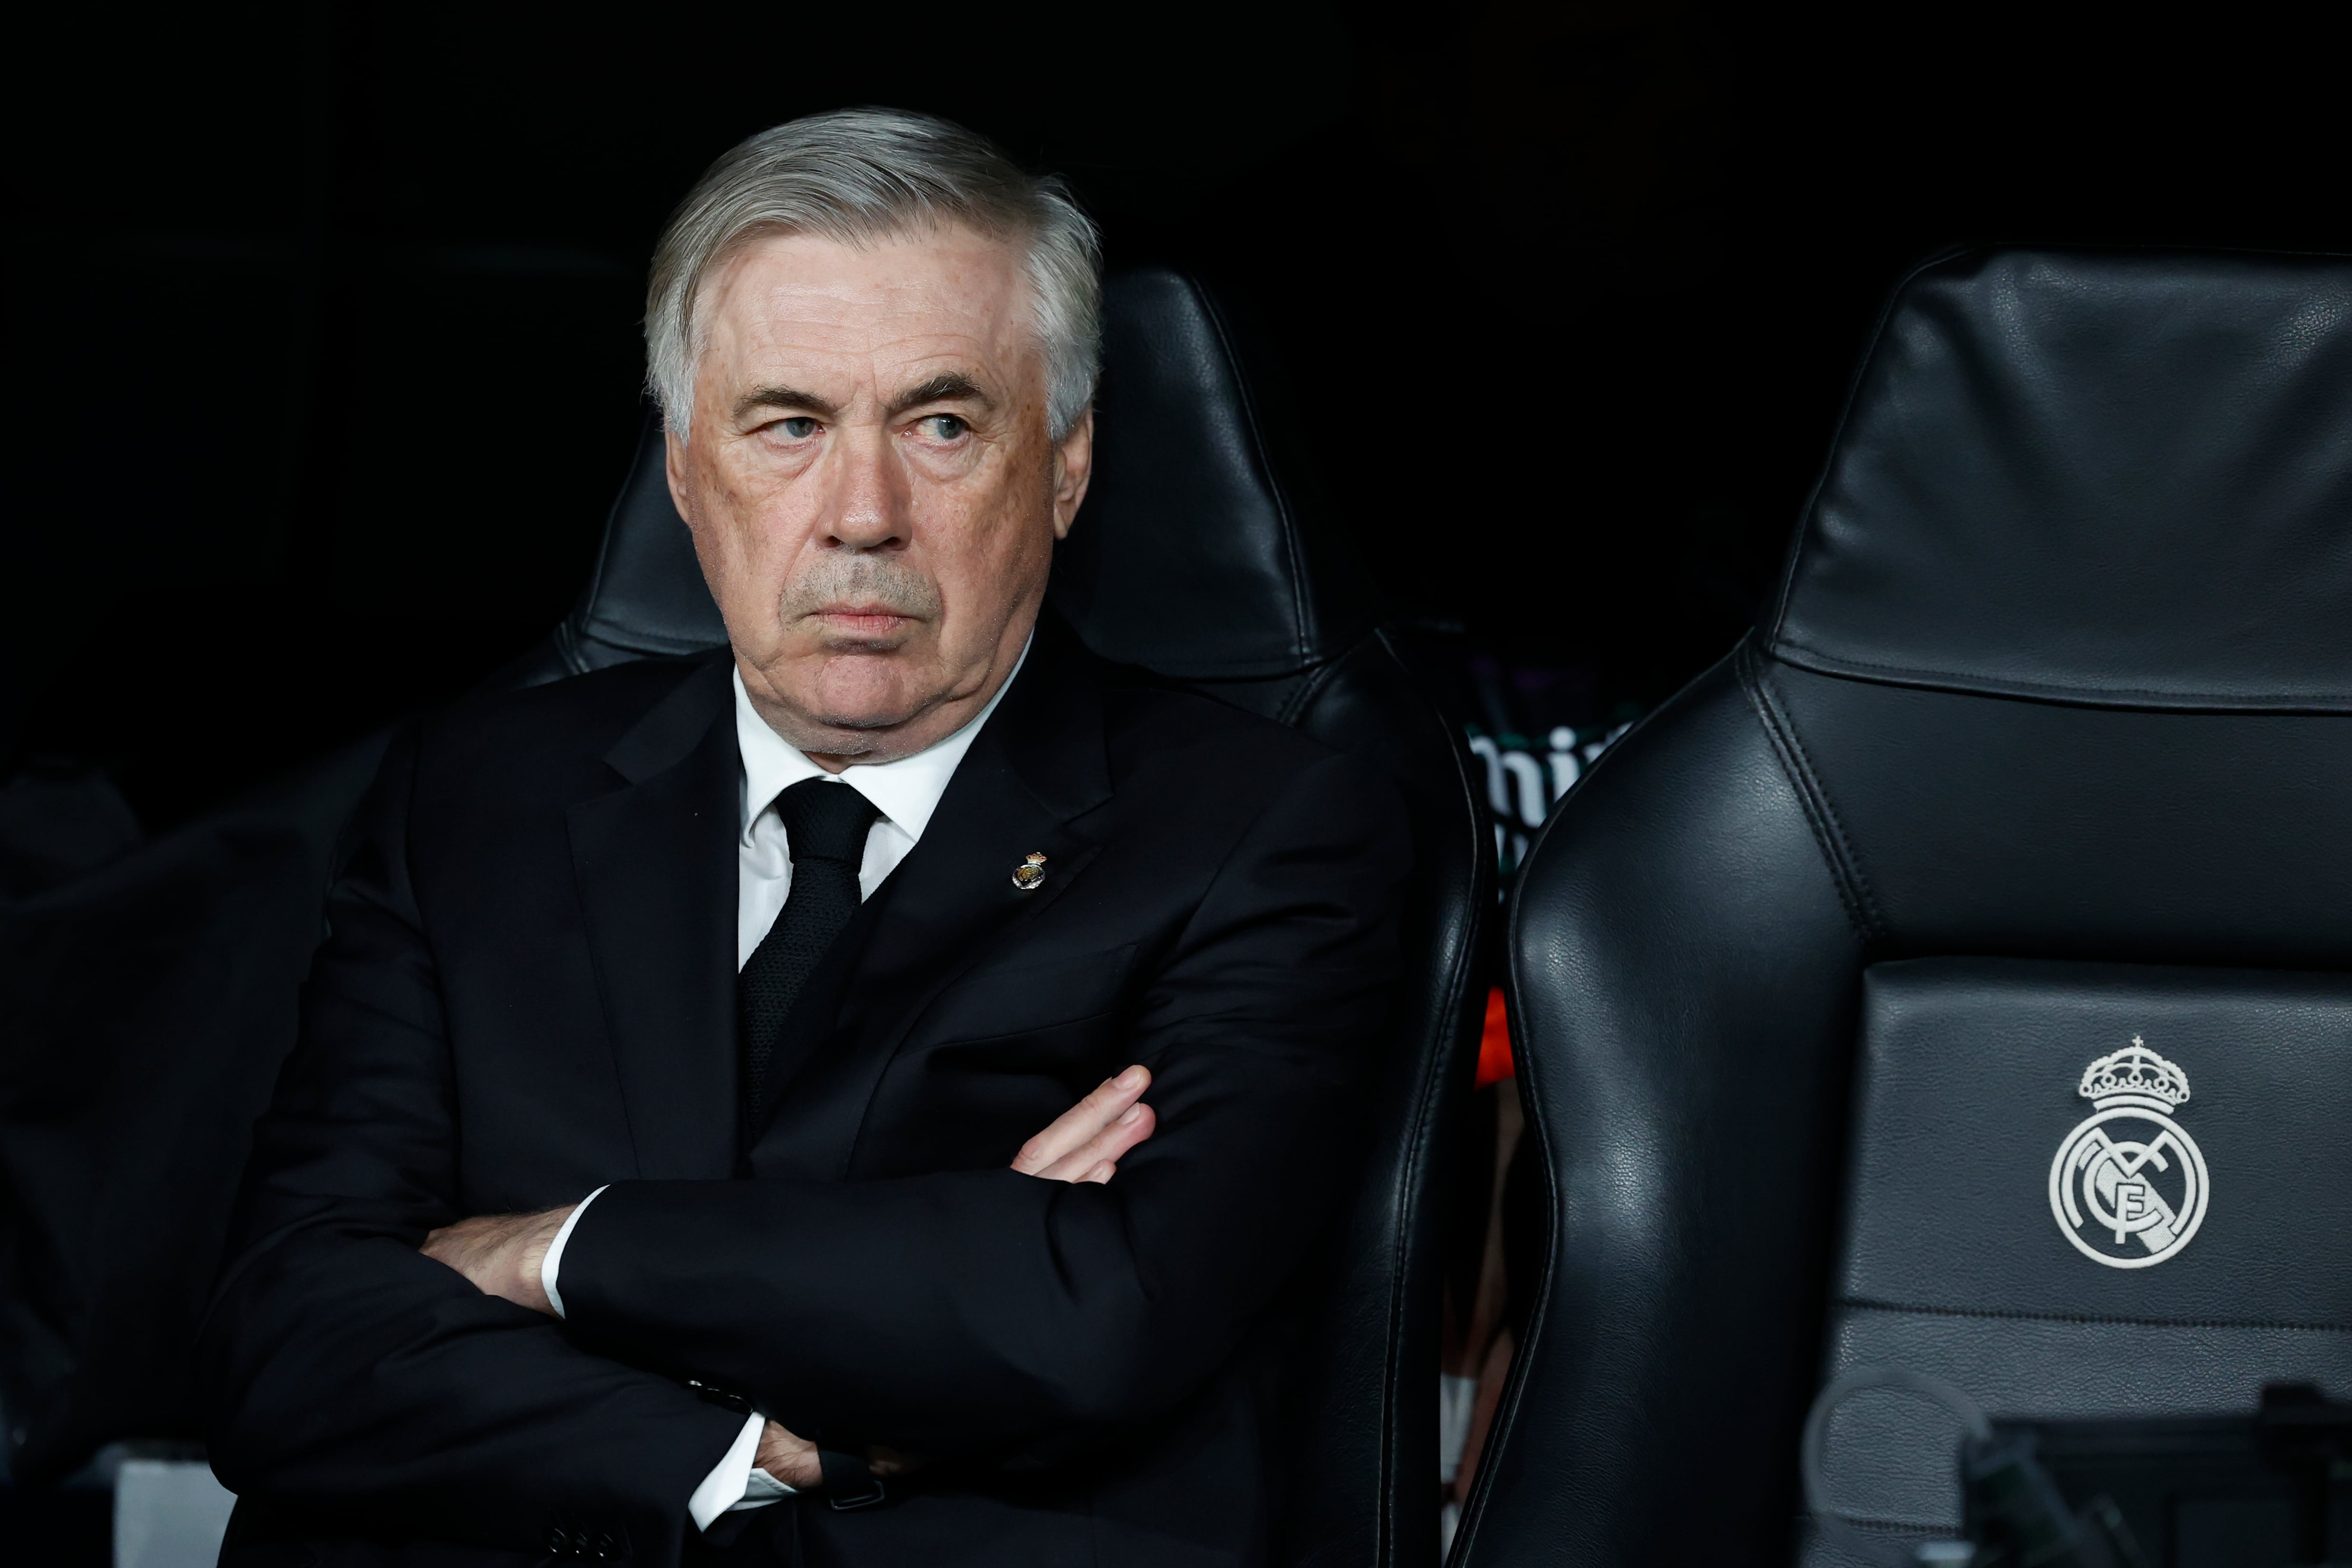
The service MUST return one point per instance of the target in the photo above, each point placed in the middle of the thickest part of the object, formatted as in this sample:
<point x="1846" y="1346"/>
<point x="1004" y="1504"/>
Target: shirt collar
<point x="906" y="791"/>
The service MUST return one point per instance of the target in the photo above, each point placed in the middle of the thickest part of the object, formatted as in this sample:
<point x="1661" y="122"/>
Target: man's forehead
<point x="941" y="294"/>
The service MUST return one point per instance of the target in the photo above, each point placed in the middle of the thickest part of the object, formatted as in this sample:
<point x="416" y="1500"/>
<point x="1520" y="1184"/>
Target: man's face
<point x="873" y="486"/>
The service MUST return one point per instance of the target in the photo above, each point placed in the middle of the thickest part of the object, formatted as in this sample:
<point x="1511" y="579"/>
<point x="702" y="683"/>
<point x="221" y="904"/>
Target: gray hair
<point x="859" y="175"/>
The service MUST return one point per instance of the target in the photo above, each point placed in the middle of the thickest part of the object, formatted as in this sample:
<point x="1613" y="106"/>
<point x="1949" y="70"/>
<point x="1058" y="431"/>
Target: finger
<point x="1075" y="1127"/>
<point x="1133" y="1126"/>
<point x="1083" y="1122"/>
<point x="1106" y="1147"/>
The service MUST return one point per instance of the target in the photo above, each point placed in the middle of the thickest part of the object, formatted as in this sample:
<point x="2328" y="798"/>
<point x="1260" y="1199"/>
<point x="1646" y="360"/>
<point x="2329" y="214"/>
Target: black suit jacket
<point x="529" y="992"/>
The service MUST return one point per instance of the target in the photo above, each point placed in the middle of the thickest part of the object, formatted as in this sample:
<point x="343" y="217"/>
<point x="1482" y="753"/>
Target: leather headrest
<point x="647" y="597"/>
<point x="1190" y="556"/>
<point x="2119" y="478"/>
<point x="1201" y="552"/>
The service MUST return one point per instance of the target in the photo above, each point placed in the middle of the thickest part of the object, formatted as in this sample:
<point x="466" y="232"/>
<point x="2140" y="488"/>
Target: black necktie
<point x="824" y="834"/>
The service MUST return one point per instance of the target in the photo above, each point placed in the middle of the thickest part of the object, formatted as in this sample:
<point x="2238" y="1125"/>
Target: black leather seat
<point x="1854" y="987"/>
<point x="1200" y="555"/>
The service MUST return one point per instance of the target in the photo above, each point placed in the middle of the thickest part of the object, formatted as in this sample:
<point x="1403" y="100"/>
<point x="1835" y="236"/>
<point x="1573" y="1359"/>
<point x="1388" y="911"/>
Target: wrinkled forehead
<point x="809" y="303"/>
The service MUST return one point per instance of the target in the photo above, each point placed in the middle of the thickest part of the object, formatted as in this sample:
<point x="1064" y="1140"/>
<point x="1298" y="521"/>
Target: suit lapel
<point x="656" y="869"/>
<point x="1034" y="774"/>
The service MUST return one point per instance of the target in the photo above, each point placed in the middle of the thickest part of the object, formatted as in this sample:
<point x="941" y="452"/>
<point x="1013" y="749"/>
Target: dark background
<point x="325" y="317"/>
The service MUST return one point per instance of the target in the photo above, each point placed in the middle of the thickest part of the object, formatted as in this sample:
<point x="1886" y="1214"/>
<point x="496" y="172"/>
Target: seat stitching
<point x="1828" y="810"/>
<point x="1305" y="629"/>
<point x="2150" y="699"/>
<point x="1890" y="1526"/>
<point x="1828" y="832"/>
<point x="2093" y="1318"/>
<point x="1318" y="677"/>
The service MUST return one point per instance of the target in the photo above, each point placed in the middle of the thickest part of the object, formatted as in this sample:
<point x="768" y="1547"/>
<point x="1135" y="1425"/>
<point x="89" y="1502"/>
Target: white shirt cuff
<point x="551" y="1265"/>
<point x="762" y="1489"/>
<point x="736" y="1483"/>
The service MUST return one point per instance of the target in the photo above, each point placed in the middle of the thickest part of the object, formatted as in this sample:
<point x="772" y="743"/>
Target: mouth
<point x="861" y="621"/>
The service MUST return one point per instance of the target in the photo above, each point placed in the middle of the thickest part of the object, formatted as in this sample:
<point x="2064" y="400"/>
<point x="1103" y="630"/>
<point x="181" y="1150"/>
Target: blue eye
<point x="943" y="426"/>
<point x="799" y="428"/>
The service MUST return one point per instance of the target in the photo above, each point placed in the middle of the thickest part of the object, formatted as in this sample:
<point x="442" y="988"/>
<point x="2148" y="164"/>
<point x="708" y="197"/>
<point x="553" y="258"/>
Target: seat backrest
<point x="1202" y="554"/>
<point x="1956" y="976"/>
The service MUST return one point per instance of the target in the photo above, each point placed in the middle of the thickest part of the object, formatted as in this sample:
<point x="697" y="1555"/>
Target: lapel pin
<point x="1029" y="873"/>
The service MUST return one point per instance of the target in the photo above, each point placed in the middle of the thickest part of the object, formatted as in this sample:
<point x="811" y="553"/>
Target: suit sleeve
<point x="971" y="1310"/>
<point x="345" y="1373"/>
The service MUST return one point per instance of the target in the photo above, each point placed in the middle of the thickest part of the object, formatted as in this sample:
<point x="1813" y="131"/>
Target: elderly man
<point x="681" y="1155"/>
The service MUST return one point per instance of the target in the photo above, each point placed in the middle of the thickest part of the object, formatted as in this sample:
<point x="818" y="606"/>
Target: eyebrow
<point x="785" y="397"/>
<point x="952" y="387"/>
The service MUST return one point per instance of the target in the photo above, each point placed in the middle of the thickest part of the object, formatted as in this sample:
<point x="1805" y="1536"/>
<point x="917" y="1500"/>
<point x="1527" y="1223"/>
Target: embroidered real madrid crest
<point x="2129" y="1187"/>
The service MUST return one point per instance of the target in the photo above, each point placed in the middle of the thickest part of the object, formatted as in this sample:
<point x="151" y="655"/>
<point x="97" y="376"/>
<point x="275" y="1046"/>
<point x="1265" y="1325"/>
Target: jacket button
<point x="559" y="1540"/>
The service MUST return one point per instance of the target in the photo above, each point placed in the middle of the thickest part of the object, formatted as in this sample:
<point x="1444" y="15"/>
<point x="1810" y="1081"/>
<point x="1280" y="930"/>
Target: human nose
<point x="870" y="509"/>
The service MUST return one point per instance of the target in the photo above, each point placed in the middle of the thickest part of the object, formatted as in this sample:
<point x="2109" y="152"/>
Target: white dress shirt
<point x="906" y="793"/>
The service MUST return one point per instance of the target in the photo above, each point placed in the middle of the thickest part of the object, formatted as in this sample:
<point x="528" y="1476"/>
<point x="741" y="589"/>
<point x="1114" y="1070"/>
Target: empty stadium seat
<point x="1958" y="975"/>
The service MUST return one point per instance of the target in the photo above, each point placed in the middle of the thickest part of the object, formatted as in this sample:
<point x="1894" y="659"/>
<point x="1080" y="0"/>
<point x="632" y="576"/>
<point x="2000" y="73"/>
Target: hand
<point x="500" y="1253"/>
<point x="792" y="1460"/>
<point x="1087" y="1141"/>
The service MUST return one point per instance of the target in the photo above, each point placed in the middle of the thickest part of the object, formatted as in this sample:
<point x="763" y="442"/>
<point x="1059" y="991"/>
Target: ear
<point x="674" y="470"/>
<point x="1074" y="465"/>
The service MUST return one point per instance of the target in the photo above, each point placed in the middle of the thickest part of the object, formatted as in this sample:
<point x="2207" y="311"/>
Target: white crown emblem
<point x="2130" y="1186"/>
<point x="2135" y="1071"/>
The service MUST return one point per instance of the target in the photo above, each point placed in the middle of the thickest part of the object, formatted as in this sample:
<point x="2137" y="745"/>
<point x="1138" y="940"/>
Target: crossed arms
<point x="504" y="1255"/>
<point x="348" y="1374"/>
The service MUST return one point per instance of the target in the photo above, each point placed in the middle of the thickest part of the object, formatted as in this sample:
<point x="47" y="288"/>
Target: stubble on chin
<point x="835" y="691"/>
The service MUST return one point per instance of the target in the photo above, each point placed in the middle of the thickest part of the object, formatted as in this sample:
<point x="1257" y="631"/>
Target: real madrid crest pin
<point x="1029" y="873"/>
<point x="2128" y="1188"/>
